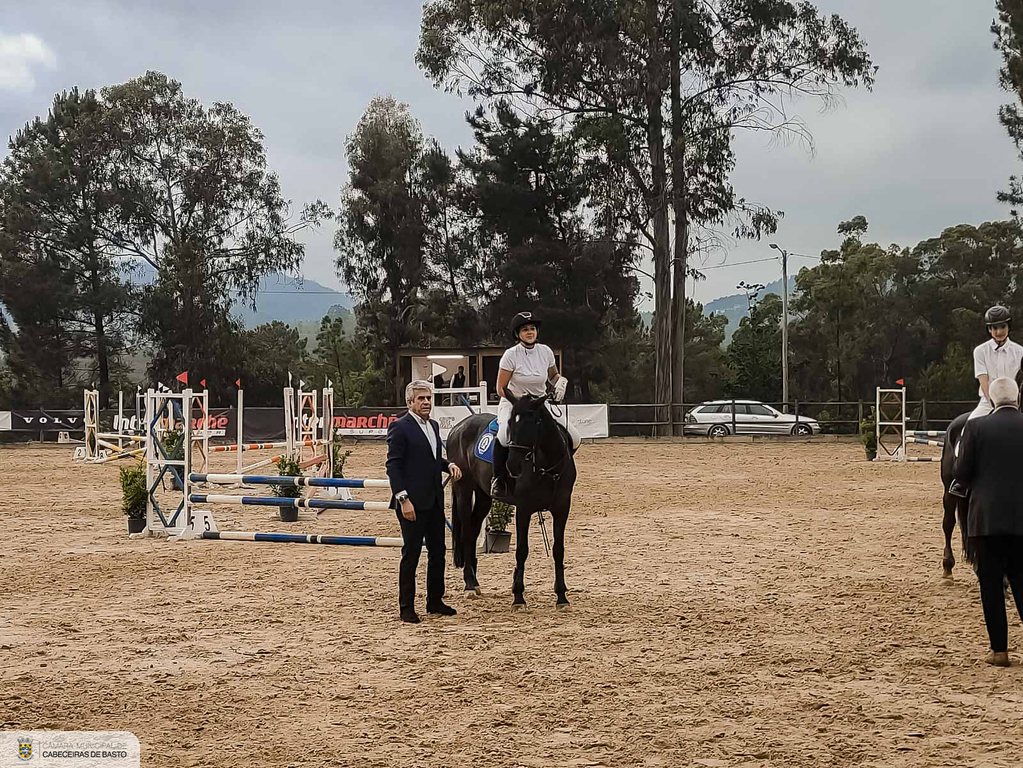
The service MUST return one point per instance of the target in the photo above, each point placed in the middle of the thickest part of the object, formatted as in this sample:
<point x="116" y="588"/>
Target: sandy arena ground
<point x="732" y="605"/>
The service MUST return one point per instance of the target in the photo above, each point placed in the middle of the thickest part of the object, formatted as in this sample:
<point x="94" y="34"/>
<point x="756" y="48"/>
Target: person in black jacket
<point x="415" y="461"/>
<point x="990" y="458"/>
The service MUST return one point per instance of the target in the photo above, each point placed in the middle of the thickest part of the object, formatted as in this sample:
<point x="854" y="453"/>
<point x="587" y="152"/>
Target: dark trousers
<point x="999" y="557"/>
<point x="429" y="527"/>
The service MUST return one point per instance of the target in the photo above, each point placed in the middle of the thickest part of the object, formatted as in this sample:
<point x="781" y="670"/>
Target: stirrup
<point x="499" y="488"/>
<point x="958" y="489"/>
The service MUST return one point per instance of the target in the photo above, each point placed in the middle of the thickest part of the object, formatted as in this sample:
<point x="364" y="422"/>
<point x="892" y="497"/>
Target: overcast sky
<point x="922" y="152"/>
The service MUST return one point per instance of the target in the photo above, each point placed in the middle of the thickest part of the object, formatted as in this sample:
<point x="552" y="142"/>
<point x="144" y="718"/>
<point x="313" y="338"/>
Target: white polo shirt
<point x="995" y="361"/>
<point x="528" y="368"/>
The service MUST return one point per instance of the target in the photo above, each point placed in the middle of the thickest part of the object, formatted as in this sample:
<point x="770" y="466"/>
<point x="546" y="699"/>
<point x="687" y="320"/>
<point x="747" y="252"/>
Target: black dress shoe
<point x="411" y="617"/>
<point x="442" y="608"/>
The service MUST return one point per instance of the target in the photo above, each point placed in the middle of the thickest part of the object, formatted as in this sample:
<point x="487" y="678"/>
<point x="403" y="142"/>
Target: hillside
<point x="734" y="307"/>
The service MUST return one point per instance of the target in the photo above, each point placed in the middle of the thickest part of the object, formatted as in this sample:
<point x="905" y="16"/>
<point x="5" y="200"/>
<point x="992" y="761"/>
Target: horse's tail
<point x="456" y="528"/>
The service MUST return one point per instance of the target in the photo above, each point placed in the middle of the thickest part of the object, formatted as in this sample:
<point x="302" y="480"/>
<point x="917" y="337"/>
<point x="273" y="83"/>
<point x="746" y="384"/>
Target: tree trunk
<point x="678" y="201"/>
<point x="658" y="205"/>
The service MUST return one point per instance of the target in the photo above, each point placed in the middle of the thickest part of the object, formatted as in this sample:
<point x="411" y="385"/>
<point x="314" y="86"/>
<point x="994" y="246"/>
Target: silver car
<point x="714" y="419"/>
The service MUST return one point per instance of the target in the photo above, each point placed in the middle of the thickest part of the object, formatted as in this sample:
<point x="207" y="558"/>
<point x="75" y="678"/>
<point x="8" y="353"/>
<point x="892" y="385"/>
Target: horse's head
<point x="526" y="421"/>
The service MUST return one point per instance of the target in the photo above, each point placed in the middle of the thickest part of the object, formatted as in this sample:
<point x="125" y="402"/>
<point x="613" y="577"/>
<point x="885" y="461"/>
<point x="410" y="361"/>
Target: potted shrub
<point x="868" y="434"/>
<point x="133" y="496"/>
<point x="498" y="535"/>
<point x="288" y="467"/>
<point x="173" y="443"/>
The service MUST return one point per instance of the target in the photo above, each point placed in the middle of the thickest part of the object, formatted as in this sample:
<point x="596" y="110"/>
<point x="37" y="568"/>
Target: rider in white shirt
<point x="525" y="369"/>
<point x="995" y="358"/>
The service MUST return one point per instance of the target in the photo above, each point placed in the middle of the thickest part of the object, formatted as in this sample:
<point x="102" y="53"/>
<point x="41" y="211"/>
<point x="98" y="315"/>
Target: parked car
<point x="714" y="419"/>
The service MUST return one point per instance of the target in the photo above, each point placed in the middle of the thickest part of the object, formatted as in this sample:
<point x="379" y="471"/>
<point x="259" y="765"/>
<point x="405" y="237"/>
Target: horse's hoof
<point x="562" y="606"/>
<point x="518" y="606"/>
<point x="947" y="575"/>
<point x="473" y="592"/>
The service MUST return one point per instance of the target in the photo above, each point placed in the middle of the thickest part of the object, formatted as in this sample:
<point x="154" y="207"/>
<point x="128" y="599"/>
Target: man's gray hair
<point x="417" y="385"/>
<point x="1004" y="391"/>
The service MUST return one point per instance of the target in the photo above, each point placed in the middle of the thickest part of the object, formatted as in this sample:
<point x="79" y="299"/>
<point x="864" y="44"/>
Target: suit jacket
<point x="412" y="466"/>
<point x="991" y="463"/>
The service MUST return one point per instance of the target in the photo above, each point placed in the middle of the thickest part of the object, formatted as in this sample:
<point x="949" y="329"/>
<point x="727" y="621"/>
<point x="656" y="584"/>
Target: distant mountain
<point x="281" y="297"/>
<point x="734" y="307"/>
<point x="290" y="301"/>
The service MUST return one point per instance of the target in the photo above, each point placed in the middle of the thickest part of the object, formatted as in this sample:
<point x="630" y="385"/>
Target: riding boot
<point x="499" y="487"/>
<point x="958" y="489"/>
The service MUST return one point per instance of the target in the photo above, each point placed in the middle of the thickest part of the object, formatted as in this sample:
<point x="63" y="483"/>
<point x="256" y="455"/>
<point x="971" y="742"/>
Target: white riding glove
<point x="560" y="388"/>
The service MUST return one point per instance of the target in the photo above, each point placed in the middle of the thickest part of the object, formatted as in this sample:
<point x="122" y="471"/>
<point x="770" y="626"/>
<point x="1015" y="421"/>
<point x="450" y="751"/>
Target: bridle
<point x="553" y="472"/>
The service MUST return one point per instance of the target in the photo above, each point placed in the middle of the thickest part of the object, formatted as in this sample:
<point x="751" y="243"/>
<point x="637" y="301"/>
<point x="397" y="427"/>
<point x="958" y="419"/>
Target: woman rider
<point x="525" y="369"/>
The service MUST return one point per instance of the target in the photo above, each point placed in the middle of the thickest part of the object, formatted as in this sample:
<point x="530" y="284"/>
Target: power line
<point x="737" y="264"/>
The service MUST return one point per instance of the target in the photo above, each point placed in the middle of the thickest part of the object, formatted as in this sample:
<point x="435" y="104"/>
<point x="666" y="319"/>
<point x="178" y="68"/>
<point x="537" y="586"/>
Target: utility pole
<point x="784" y="324"/>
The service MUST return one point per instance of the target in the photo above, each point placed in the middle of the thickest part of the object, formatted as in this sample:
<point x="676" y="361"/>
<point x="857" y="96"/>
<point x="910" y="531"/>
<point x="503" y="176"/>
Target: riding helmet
<point x="997" y="315"/>
<point x="521" y="319"/>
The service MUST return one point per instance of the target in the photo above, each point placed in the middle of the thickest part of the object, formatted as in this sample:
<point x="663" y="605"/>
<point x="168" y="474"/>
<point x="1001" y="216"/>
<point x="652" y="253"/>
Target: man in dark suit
<point x="990" y="458"/>
<point x="415" y="461"/>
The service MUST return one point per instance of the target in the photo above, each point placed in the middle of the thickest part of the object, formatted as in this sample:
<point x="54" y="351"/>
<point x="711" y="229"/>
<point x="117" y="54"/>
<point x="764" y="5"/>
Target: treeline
<point x="602" y="142"/>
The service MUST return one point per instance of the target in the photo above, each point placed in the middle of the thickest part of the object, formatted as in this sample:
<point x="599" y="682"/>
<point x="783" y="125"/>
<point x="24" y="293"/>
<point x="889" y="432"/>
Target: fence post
<point x="923" y="415"/>
<point x="859" y="419"/>
<point x="797" y="413"/>
<point x="733" y="416"/>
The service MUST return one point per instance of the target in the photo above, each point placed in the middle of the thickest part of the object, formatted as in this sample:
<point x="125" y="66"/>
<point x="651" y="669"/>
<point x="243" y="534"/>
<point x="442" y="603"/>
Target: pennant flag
<point x="203" y="382"/>
<point x="901" y="382"/>
<point x="238" y="383"/>
<point x="301" y="383"/>
<point x="182" y="377"/>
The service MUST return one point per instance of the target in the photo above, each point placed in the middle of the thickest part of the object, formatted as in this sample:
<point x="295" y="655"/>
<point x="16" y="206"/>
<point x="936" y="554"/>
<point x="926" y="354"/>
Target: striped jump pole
<point x="921" y="441"/>
<point x="923" y="458"/>
<point x="304" y="538"/>
<point x="925" y="433"/>
<point x="301" y="482"/>
<point x="251" y="447"/>
<point x="281" y="501"/>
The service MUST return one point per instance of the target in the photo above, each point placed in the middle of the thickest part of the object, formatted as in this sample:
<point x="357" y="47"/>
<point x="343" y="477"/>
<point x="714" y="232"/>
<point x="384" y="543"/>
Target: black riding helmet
<point x="997" y="315"/>
<point x="521" y="319"/>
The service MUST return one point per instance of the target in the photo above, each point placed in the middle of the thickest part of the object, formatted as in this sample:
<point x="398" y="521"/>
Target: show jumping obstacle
<point x="892" y="434"/>
<point x="186" y="522"/>
<point x="101" y="447"/>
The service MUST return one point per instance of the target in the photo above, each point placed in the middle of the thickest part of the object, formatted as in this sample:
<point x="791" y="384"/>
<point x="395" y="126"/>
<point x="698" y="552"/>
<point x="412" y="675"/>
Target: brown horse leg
<point x="948" y="525"/>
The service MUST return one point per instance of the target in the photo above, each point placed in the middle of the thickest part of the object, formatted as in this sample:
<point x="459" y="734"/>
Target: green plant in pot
<point x="174" y="444"/>
<point x="133" y="496"/>
<point x="288" y="467"/>
<point x="868" y="434"/>
<point x="498" y="535"/>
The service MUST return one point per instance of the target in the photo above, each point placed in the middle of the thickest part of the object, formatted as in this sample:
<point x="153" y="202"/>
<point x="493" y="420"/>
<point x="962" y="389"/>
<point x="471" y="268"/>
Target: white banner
<point x="5" y="421"/>
<point x="589" y="419"/>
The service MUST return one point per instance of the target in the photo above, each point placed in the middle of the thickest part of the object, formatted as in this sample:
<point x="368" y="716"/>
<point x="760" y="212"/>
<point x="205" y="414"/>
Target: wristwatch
<point x="402" y="497"/>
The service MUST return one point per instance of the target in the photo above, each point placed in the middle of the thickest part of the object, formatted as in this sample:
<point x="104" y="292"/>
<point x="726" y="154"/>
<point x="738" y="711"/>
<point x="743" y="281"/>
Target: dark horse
<point x="954" y="505"/>
<point x="541" y="465"/>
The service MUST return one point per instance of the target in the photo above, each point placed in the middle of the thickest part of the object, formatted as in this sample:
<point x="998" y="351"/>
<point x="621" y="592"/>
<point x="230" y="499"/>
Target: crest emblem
<point x="24" y="749"/>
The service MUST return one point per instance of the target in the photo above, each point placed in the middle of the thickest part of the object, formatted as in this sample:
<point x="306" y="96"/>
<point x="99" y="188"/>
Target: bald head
<point x="1004" y="391"/>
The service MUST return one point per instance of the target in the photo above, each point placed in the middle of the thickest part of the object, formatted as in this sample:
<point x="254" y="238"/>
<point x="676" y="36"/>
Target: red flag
<point x="238" y="383"/>
<point x="203" y="382"/>
<point x="182" y="377"/>
<point x="901" y="382"/>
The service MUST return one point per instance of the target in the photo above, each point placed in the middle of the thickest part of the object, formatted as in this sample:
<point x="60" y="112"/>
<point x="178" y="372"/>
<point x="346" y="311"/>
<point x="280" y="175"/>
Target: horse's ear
<point x="509" y="396"/>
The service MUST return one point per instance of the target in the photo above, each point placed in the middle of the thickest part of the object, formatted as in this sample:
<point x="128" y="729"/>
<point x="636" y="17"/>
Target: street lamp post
<point x="784" y="324"/>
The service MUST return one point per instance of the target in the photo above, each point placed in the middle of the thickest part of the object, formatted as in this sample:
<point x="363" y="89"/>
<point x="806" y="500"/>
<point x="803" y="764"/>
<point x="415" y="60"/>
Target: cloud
<point x="18" y="55"/>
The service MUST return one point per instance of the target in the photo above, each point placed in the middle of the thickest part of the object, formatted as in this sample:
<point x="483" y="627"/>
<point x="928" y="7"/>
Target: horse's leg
<point x="457" y="507"/>
<point x="470" y="535"/>
<point x="948" y="525"/>
<point x="560" y="523"/>
<point x="522" y="518"/>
